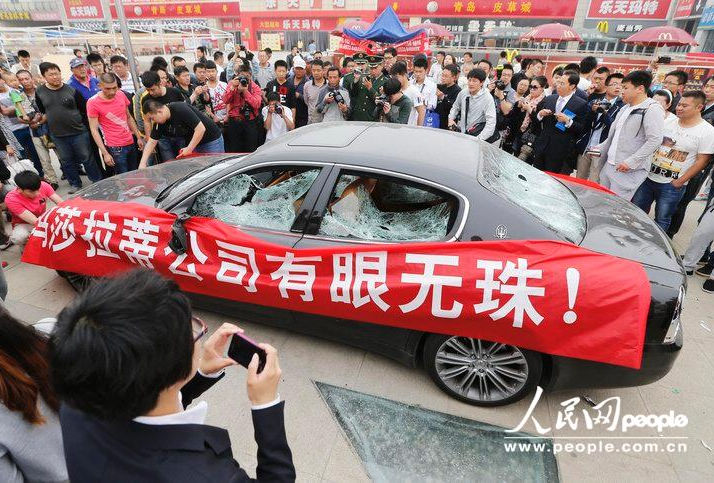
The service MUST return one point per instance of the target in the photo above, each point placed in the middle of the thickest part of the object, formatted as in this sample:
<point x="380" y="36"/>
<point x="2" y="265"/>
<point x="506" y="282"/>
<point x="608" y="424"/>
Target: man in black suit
<point x="562" y="117"/>
<point x="126" y="362"/>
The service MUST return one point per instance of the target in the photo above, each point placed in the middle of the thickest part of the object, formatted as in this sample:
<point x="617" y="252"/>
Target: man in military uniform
<point x="364" y="87"/>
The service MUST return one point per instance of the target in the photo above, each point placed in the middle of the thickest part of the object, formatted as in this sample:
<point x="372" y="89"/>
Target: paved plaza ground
<point x="321" y="450"/>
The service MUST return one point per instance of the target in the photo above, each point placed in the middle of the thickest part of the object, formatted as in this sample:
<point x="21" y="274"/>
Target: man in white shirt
<point x="26" y="64"/>
<point x="120" y="67"/>
<point x="278" y="118"/>
<point x="437" y="66"/>
<point x="416" y="118"/>
<point x="687" y="146"/>
<point x="425" y="86"/>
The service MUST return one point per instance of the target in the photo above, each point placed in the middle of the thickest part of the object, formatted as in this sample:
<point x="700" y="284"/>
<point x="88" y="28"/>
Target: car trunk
<point x="618" y="227"/>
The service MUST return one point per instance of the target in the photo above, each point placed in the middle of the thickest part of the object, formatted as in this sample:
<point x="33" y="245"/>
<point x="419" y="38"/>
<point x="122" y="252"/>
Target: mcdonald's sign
<point x="603" y="26"/>
<point x="664" y="36"/>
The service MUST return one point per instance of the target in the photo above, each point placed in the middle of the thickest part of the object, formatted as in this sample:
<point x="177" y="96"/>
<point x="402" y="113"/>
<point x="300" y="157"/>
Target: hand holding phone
<point x="242" y="350"/>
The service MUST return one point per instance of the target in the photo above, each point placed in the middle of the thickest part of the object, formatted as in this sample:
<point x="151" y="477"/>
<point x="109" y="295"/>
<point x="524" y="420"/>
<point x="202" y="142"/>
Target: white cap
<point x="299" y="62"/>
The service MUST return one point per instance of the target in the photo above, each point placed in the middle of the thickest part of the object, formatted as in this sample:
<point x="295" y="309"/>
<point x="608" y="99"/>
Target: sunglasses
<point x="198" y="328"/>
<point x="535" y="87"/>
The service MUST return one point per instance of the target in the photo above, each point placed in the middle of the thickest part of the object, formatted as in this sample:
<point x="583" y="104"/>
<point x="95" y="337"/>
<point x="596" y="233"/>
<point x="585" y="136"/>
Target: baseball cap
<point x="298" y="62"/>
<point x="76" y="62"/>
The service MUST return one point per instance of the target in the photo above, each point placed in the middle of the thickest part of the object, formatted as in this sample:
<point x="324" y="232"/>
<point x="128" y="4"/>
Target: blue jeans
<point x="169" y="148"/>
<point x="74" y="150"/>
<point x="665" y="196"/>
<point x="215" y="146"/>
<point x="125" y="158"/>
<point x="24" y="137"/>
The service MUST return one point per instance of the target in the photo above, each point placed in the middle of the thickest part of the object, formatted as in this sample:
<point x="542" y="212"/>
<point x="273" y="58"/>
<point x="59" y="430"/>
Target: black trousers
<point x="241" y="136"/>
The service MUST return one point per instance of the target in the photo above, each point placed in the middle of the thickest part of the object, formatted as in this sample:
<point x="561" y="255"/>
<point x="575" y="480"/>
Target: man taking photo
<point x="127" y="361"/>
<point x="363" y="85"/>
<point x="334" y="102"/>
<point x="243" y="98"/>
<point x="393" y="107"/>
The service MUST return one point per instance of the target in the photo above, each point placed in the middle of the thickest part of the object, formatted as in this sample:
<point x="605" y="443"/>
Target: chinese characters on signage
<point x="707" y="20"/>
<point x="533" y="294"/>
<point x="295" y="4"/>
<point x="183" y="9"/>
<point x="83" y="9"/>
<point x="466" y="25"/>
<point x="642" y="9"/>
<point x="291" y="24"/>
<point x="485" y="8"/>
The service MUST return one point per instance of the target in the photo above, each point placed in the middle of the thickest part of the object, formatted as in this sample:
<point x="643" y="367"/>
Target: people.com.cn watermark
<point x="606" y="414"/>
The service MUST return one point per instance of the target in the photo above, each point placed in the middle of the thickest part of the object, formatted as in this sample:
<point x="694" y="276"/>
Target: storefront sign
<point x="620" y="28"/>
<point x="483" y="8"/>
<point x="83" y="9"/>
<point x="181" y="10"/>
<point x="707" y="20"/>
<point x="467" y="25"/>
<point x="272" y="24"/>
<point x="689" y="8"/>
<point x="543" y="295"/>
<point x="634" y="9"/>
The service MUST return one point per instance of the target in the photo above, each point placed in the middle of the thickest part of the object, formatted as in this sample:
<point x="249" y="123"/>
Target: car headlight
<point x="676" y="325"/>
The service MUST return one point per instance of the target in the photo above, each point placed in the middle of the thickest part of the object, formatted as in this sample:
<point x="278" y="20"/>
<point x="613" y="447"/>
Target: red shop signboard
<point x="180" y="10"/>
<point x="634" y="9"/>
<point x="297" y="23"/>
<point x="83" y="9"/>
<point x="483" y="8"/>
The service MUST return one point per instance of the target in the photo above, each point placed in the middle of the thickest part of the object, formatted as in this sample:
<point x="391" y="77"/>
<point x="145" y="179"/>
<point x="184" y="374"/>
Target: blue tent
<point x="386" y="28"/>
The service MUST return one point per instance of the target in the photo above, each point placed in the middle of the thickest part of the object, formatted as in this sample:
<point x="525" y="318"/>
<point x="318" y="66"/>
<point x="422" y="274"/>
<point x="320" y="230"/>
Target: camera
<point x="246" y="111"/>
<point x="602" y="106"/>
<point x="381" y="101"/>
<point x="335" y="94"/>
<point x="455" y="128"/>
<point x="243" y="80"/>
<point x="500" y="85"/>
<point x="278" y="109"/>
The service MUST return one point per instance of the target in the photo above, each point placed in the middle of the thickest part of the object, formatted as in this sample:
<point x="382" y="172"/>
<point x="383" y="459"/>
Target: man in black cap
<point x="364" y="87"/>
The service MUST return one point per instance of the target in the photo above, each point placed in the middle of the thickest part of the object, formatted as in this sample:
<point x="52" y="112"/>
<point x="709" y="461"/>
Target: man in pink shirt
<point x="27" y="203"/>
<point x="109" y="109"/>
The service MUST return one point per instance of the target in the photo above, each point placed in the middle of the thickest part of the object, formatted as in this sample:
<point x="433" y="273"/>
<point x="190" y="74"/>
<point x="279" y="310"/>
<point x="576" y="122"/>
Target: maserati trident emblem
<point x="501" y="231"/>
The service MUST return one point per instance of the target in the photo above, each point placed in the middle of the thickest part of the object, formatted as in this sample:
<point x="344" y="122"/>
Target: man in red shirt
<point x="27" y="203"/>
<point x="109" y="109"/>
<point x="243" y="99"/>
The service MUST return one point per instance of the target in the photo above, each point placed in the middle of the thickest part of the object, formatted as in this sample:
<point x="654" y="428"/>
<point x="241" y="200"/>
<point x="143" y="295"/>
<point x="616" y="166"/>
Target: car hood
<point x="617" y="227"/>
<point x="144" y="185"/>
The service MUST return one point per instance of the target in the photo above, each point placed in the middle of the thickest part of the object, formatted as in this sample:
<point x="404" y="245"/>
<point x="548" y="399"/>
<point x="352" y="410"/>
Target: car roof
<point x="424" y="152"/>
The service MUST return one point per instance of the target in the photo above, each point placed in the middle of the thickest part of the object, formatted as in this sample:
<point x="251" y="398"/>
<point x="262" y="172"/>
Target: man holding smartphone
<point x="127" y="362"/>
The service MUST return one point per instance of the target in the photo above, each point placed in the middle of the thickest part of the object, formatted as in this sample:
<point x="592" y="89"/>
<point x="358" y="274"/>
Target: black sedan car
<point x="313" y="188"/>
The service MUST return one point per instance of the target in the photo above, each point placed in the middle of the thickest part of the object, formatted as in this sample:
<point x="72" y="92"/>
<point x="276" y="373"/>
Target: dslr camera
<point x="246" y="111"/>
<point x="335" y="94"/>
<point x="381" y="100"/>
<point x="602" y="106"/>
<point x="500" y="85"/>
<point x="278" y="109"/>
<point x="243" y="80"/>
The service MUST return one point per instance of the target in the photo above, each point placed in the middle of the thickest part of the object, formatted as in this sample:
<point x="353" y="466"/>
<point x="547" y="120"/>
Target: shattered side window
<point x="265" y="199"/>
<point x="533" y="190"/>
<point x="387" y="209"/>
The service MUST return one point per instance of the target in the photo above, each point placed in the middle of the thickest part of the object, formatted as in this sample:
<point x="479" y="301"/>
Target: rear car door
<point x="361" y="206"/>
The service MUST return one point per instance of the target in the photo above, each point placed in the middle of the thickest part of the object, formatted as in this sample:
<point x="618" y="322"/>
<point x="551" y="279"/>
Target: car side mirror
<point x="179" y="242"/>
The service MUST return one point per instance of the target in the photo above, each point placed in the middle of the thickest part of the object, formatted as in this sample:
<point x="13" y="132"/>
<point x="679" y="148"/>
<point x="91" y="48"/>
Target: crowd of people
<point x="648" y="144"/>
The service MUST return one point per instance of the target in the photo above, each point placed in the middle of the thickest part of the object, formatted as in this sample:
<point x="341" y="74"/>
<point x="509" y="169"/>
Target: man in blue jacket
<point x="127" y="361"/>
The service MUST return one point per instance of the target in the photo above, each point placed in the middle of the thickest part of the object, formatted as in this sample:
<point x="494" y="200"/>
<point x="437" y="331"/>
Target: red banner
<point x="83" y="9"/>
<point x="483" y="8"/>
<point x="186" y="9"/>
<point x="547" y="296"/>
<point x="350" y="46"/>
<point x="634" y="9"/>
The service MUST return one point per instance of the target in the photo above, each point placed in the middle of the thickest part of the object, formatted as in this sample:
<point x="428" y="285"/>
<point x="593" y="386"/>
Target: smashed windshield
<point x="265" y="199"/>
<point x="385" y="209"/>
<point x="533" y="190"/>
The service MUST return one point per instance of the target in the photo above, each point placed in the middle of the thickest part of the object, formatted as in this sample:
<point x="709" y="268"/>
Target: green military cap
<point x="360" y="58"/>
<point x="374" y="60"/>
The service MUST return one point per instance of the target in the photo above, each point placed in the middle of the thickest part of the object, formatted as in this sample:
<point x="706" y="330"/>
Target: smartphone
<point x="242" y="349"/>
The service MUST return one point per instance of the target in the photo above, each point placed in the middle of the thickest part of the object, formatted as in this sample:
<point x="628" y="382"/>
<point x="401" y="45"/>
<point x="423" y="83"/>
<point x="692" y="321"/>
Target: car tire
<point x="471" y="370"/>
<point x="77" y="281"/>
